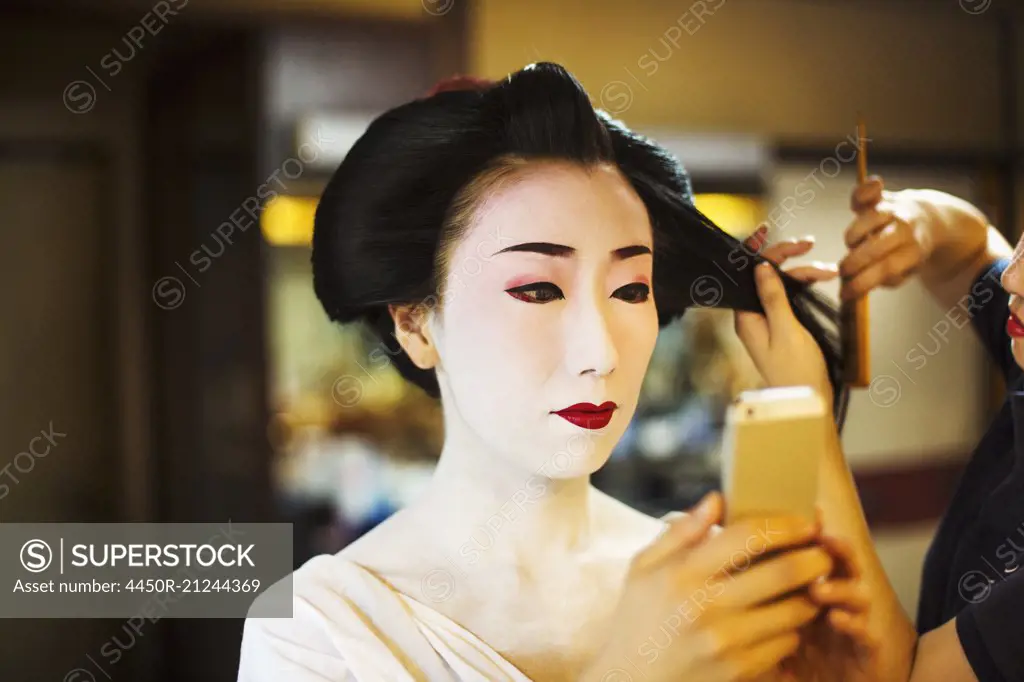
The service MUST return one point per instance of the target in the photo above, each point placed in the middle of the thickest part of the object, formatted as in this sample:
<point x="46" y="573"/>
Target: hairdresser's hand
<point x="714" y="607"/>
<point x="839" y="645"/>
<point x="889" y="240"/>
<point x="780" y="252"/>
<point x="945" y="240"/>
<point x="782" y="349"/>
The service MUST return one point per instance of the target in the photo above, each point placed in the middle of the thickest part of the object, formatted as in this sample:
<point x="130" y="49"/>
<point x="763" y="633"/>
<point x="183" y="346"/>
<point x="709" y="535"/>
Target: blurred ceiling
<point x="423" y="10"/>
<point x="409" y="10"/>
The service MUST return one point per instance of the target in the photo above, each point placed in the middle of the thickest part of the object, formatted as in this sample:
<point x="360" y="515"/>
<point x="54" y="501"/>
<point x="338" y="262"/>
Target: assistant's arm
<point x="842" y="516"/>
<point x="945" y="240"/>
<point x="962" y="244"/>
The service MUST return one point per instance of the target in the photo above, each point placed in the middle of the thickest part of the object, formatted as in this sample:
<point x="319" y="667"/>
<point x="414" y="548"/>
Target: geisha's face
<point x="548" y="307"/>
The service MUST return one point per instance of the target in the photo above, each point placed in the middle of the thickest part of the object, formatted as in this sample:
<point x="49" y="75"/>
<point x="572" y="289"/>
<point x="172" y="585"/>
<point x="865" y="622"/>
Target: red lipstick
<point x="1014" y="327"/>
<point x="588" y="415"/>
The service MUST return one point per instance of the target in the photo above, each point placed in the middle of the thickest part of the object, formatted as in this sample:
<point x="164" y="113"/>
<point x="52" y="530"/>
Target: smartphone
<point x="771" y="453"/>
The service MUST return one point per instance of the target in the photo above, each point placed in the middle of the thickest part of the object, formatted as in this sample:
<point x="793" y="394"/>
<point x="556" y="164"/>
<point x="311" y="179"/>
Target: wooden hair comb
<point x="853" y="314"/>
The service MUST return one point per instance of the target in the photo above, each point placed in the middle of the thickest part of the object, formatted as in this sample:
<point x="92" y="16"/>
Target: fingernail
<point x="704" y="511"/>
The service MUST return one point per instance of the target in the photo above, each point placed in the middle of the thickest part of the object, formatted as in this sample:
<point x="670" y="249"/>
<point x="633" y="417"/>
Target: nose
<point x="590" y="343"/>
<point x="1011" y="280"/>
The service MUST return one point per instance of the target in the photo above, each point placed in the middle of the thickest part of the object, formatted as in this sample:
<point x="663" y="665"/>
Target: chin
<point x="577" y="463"/>
<point x="580" y="452"/>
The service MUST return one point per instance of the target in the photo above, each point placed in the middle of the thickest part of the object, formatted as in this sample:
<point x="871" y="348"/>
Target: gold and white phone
<point x="774" y="441"/>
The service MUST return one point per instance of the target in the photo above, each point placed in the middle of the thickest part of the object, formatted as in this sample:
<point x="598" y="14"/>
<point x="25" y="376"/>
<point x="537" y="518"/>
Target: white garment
<point x="348" y="625"/>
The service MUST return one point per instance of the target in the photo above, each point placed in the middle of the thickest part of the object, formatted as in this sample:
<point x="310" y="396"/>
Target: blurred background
<point x="160" y="163"/>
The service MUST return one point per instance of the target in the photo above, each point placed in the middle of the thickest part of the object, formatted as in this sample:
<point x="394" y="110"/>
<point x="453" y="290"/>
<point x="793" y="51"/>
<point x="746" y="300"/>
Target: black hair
<point x="380" y="221"/>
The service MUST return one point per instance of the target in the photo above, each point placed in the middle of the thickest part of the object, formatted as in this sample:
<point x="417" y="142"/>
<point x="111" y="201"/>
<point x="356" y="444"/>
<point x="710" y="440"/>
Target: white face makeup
<point x="548" y="304"/>
<point x="1013" y="282"/>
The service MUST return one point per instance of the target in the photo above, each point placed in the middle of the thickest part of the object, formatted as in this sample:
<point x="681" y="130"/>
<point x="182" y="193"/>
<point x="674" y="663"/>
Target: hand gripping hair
<point x="407" y="187"/>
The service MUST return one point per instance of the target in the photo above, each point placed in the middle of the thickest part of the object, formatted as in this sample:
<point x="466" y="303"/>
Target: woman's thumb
<point x="867" y="195"/>
<point x="683" y="532"/>
<point x="752" y="330"/>
<point x="772" y="294"/>
<point x="709" y="509"/>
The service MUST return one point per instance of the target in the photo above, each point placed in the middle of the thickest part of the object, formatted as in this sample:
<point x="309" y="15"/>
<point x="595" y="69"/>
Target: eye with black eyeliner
<point x="536" y="292"/>
<point x="638" y="292"/>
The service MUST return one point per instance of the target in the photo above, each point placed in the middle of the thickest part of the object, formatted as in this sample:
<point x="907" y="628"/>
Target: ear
<point x="413" y="333"/>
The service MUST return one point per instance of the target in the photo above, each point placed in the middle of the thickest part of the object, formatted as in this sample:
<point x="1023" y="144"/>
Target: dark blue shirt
<point x="974" y="570"/>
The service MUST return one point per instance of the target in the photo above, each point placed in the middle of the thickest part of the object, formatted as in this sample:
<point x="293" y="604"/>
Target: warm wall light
<point x="736" y="214"/>
<point x="288" y="220"/>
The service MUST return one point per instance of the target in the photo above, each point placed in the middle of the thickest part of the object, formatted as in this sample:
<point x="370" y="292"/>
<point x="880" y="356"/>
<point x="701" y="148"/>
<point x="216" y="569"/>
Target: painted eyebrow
<point x="563" y="251"/>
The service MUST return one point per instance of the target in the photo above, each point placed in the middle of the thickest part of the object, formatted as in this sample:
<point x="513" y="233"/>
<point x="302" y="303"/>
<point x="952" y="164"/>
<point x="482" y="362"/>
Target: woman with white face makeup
<point x="971" y="614"/>
<point x="516" y="252"/>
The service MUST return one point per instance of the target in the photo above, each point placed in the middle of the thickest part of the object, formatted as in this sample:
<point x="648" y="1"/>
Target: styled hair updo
<point x="408" y="188"/>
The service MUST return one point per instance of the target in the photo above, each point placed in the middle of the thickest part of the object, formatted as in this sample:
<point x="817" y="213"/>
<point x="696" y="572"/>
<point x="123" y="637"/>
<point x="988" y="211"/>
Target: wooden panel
<point x="56" y="352"/>
<point x="909" y="494"/>
<point x="57" y="379"/>
<point x="206" y="320"/>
